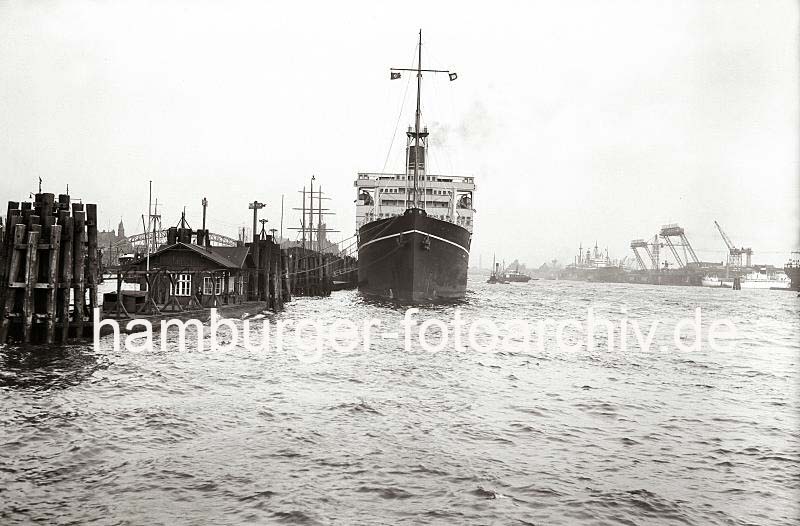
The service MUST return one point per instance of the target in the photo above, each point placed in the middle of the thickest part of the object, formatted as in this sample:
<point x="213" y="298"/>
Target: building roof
<point x="225" y="257"/>
<point x="236" y="255"/>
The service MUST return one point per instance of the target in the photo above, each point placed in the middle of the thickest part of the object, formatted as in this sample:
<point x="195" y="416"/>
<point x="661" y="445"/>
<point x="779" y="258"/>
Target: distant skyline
<point x="581" y="121"/>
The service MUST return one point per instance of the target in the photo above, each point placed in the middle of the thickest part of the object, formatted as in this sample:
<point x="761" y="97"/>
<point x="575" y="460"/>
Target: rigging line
<point x="330" y="263"/>
<point x="365" y="231"/>
<point x="390" y="253"/>
<point x="388" y="224"/>
<point x="297" y="273"/>
<point x="354" y="236"/>
<point x="399" y="116"/>
<point x="354" y="243"/>
<point x="344" y="249"/>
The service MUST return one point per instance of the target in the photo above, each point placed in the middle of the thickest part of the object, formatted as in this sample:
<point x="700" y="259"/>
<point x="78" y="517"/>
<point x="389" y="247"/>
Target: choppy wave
<point x="525" y="436"/>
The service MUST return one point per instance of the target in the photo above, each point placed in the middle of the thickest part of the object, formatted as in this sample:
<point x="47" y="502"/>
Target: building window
<point x="219" y="283"/>
<point x="182" y="285"/>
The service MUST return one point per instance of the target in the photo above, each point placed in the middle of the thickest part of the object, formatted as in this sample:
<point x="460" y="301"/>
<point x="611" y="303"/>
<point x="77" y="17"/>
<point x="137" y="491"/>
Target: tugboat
<point x="414" y="228"/>
<point x="517" y="276"/>
<point x="497" y="276"/>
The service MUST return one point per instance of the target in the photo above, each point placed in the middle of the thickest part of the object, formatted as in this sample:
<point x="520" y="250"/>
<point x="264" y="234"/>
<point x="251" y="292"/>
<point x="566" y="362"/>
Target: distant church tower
<point x="121" y="229"/>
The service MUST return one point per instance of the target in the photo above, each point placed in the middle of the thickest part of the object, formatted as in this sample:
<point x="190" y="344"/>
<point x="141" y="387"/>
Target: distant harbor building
<point x="113" y="244"/>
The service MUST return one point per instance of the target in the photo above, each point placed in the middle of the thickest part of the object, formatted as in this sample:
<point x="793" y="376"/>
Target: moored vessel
<point x="714" y="282"/>
<point x="792" y="270"/>
<point x="414" y="228"/>
<point x="763" y="278"/>
<point x="594" y="266"/>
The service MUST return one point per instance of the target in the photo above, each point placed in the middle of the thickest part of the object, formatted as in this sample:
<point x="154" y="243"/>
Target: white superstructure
<point x="445" y="197"/>
<point x="760" y="278"/>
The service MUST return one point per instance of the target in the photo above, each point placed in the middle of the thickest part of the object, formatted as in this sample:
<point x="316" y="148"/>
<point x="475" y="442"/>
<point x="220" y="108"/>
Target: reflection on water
<point x="523" y="435"/>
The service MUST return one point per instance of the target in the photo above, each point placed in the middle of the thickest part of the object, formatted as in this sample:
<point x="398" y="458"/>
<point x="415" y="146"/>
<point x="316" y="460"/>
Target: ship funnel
<point x="412" y="157"/>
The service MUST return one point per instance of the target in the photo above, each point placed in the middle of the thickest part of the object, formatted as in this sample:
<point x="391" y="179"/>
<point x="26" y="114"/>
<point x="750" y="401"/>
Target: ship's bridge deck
<point x="445" y="197"/>
<point x="375" y="179"/>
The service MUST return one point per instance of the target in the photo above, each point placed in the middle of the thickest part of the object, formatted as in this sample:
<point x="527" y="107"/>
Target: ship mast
<point x="416" y="121"/>
<point x="417" y="133"/>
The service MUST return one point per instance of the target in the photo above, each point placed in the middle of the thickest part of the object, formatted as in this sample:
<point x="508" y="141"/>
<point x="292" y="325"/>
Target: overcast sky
<point x="581" y="121"/>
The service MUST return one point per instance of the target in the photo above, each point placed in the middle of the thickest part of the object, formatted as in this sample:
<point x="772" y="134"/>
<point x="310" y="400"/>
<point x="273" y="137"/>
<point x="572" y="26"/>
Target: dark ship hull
<point x="595" y="274"/>
<point x="794" y="275"/>
<point x="413" y="258"/>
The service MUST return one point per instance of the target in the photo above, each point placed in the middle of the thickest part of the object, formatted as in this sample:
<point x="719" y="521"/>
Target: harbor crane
<point x="734" y="253"/>
<point x="668" y="232"/>
<point x="652" y="249"/>
<point x="636" y="244"/>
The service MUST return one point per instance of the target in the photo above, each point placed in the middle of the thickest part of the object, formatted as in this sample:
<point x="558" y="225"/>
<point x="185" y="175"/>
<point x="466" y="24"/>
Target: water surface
<point x="391" y="436"/>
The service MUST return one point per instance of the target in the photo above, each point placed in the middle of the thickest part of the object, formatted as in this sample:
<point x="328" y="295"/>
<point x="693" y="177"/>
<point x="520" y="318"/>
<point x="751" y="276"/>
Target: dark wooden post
<point x="52" y="291"/>
<point x="14" y="262"/>
<point x="6" y="251"/>
<point x="320" y="291"/>
<point x="292" y="273"/>
<point x="264" y="280"/>
<point x="78" y="259"/>
<point x="31" y="268"/>
<point x="92" y="264"/>
<point x="273" y="282"/>
<point x="255" y="206"/>
<point x="63" y="202"/>
<point x="306" y="273"/>
<point x="324" y="275"/>
<point x="287" y="291"/>
<point x="278" y="278"/>
<point x="65" y="287"/>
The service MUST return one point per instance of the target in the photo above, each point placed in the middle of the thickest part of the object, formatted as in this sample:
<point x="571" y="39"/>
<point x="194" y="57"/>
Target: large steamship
<point x="415" y="227"/>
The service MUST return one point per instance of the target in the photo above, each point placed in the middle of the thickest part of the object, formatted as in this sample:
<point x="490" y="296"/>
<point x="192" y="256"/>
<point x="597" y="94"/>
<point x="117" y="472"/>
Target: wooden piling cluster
<point x="312" y="273"/>
<point x="307" y="272"/>
<point x="269" y="279"/>
<point x="48" y="270"/>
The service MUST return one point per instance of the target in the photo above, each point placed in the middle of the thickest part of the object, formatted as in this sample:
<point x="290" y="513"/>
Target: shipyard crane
<point x="674" y="231"/>
<point x="639" y="260"/>
<point x="734" y="253"/>
<point x="636" y="244"/>
<point x="656" y="253"/>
